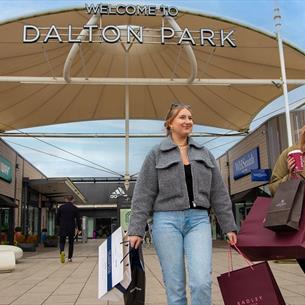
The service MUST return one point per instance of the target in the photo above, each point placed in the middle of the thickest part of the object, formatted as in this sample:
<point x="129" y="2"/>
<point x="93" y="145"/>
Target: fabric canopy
<point x="232" y="106"/>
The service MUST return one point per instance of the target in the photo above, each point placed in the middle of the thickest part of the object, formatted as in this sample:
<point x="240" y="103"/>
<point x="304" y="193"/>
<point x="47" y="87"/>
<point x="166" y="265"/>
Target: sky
<point x="109" y="153"/>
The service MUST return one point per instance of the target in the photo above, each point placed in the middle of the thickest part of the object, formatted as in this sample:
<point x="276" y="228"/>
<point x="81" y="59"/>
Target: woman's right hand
<point x="290" y="164"/>
<point x="135" y="241"/>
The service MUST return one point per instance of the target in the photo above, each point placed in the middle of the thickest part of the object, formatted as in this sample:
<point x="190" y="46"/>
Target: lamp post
<point x="277" y="20"/>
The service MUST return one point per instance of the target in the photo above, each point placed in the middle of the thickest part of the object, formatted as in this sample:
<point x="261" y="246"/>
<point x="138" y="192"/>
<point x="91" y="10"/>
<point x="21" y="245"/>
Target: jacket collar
<point x="168" y="144"/>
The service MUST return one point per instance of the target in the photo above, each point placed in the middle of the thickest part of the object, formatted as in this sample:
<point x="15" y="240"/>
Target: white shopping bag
<point x="114" y="274"/>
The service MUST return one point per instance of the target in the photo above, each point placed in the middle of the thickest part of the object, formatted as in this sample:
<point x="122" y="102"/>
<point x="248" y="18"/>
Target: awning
<point x="56" y="188"/>
<point x="34" y="93"/>
<point x="7" y="202"/>
<point x="104" y="194"/>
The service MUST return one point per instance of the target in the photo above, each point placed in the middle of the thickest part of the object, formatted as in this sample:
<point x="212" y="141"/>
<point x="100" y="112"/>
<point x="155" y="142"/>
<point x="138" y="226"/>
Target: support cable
<point x="68" y="152"/>
<point x="55" y="156"/>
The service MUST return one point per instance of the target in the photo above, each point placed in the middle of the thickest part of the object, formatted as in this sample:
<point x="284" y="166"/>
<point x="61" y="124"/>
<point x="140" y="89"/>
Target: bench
<point x="16" y="250"/>
<point x="7" y="261"/>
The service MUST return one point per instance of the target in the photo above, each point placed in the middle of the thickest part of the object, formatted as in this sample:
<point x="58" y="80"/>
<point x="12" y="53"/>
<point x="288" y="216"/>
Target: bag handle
<point x="230" y="258"/>
<point x="126" y="244"/>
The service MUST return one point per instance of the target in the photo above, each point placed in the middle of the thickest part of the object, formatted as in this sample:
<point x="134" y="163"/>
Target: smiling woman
<point x="178" y="184"/>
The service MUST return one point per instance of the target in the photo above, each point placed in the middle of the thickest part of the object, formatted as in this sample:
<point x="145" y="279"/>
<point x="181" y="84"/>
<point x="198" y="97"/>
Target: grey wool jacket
<point x="161" y="185"/>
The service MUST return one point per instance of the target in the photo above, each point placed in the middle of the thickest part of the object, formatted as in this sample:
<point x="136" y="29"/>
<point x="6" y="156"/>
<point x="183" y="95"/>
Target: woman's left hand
<point x="232" y="238"/>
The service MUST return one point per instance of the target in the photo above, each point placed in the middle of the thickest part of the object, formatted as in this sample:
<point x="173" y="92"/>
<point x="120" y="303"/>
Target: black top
<point x="189" y="185"/>
<point x="68" y="219"/>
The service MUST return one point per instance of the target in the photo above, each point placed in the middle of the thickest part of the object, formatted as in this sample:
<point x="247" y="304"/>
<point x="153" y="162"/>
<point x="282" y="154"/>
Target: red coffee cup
<point x="297" y="155"/>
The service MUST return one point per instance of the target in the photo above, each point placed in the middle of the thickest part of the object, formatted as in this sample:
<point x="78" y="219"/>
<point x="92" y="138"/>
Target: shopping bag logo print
<point x="281" y="204"/>
<point x="251" y="301"/>
<point x="135" y="289"/>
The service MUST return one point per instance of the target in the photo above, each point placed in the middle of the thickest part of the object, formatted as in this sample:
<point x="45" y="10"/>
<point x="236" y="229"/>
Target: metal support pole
<point x="277" y="19"/>
<point x="126" y="176"/>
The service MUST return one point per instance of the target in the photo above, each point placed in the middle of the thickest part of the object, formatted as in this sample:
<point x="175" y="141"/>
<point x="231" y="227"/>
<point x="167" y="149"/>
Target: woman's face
<point x="182" y="124"/>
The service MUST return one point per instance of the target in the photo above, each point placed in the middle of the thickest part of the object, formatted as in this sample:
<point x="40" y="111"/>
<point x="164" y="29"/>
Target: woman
<point x="179" y="181"/>
<point x="284" y="170"/>
<point x="284" y="165"/>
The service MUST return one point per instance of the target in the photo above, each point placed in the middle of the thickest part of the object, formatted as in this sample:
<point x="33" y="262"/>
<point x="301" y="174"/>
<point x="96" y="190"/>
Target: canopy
<point x="26" y="101"/>
<point x="57" y="188"/>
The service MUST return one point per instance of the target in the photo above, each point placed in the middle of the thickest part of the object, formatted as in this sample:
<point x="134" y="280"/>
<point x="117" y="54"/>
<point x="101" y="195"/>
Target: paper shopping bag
<point x="250" y="285"/>
<point x="114" y="274"/>
<point x="285" y="211"/>
<point x="259" y="243"/>
<point x="135" y="294"/>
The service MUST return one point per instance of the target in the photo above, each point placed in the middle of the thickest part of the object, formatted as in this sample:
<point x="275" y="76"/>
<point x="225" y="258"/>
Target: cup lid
<point x="296" y="151"/>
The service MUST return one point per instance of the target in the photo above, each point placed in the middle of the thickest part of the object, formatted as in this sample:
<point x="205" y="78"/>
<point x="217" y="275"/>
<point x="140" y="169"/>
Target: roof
<point x="232" y="106"/>
<point x="56" y="188"/>
<point x="7" y="202"/>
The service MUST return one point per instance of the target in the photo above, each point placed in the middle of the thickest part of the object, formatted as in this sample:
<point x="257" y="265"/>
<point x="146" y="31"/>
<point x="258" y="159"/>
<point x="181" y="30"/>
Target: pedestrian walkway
<point x="40" y="278"/>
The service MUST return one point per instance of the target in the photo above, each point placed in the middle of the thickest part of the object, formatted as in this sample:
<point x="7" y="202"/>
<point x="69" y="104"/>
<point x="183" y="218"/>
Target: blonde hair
<point x="172" y="113"/>
<point x="302" y="139"/>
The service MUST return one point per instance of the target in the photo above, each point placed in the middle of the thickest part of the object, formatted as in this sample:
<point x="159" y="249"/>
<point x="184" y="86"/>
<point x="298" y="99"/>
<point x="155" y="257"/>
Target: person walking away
<point x="69" y="223"/>
<point x="284" y="170"/>
<point x="178" y="183"/>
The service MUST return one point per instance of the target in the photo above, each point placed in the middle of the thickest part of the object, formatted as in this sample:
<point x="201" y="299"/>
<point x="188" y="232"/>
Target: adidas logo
<point x="119" y="192"/>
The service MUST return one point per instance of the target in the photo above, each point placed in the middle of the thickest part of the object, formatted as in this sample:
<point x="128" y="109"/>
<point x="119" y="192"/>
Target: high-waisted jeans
<point x="181" y="236"/>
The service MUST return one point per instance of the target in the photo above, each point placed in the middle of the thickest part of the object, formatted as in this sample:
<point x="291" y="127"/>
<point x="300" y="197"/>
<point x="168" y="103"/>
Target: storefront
<point x="108" y="204"/>
<point x="247" y="166"/>
<point x="7" y="212"/>
<point x="42" y="197"/>
<point x="7" y="192"/>
<point x="18" y="206"/>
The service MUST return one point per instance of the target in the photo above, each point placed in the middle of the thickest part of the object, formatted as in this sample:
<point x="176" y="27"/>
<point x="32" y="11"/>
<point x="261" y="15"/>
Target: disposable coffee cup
<point x="297" y="155"/>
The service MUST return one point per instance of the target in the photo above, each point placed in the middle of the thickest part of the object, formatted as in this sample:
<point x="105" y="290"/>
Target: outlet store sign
<point x="5" y="169"/>
<point x="128" y="33"/>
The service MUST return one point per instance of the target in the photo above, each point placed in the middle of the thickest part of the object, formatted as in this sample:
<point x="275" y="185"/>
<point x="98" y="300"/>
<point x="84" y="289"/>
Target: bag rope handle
<point x="230" y="258"/>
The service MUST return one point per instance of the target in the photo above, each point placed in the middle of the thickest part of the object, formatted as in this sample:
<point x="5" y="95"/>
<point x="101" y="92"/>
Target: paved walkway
<point x="41" y="279"/>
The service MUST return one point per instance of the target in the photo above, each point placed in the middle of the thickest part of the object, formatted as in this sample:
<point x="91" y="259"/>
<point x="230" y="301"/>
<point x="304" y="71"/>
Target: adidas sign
<point x="119" y="192"/>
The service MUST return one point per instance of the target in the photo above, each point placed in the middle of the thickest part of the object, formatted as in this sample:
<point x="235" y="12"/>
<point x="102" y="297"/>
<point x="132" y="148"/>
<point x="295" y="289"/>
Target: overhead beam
<point x="108" y="135"/>
<point x="146" y="81"/>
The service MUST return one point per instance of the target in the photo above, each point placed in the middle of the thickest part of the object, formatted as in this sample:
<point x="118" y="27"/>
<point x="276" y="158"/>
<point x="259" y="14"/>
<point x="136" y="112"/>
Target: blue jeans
<point x="184" y="234"/>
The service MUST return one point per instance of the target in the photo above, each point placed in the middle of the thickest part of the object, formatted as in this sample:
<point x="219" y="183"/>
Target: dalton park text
<point x="128" y="33"/>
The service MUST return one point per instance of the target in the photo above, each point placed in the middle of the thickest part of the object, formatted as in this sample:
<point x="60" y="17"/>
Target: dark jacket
<point x="68" y="219"/>
<point x="161" y="185"/>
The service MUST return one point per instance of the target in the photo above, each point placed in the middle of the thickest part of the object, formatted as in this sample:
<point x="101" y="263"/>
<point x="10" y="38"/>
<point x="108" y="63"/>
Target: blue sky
<point x="110" y="152"/>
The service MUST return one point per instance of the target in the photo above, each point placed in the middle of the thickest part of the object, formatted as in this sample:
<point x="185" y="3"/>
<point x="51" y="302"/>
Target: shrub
<point x="18" y="229"/>
<point x="26" y="239"/>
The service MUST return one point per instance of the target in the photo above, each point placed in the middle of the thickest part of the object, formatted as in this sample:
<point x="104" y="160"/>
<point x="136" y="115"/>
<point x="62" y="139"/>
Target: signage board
<point x="262" y="174"/>
<point x="124" y="218"/>
<point x="247" y="162"/>
<point x="5" y="169"/>
<point x="96" y="32"/>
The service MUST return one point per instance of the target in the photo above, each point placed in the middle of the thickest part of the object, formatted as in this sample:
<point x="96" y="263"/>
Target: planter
<point x="27" y="247"/>
<point x="50" y="243"/>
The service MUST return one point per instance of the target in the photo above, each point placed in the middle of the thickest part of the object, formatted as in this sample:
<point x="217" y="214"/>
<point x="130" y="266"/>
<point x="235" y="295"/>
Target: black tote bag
<point x="135" y="294"/>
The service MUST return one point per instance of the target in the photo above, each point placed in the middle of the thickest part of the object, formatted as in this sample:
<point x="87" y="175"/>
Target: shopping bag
<point x="135" y="294"/>
<point x="285" y="210"/>
<point x="250" y="285"/>
<point x="259" y="243"/>
<point x="114" y="273"/>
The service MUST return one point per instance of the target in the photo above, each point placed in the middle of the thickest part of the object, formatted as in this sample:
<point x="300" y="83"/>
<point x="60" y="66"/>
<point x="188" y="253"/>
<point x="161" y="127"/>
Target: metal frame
<point x="191" y="81"/>
<point x="148" y="81"/>
<point x="109" y="135"/>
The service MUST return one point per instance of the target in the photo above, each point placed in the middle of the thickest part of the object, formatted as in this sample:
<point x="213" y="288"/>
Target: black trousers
<point x="301" y="262"/>
<point x="62" y="242"/>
